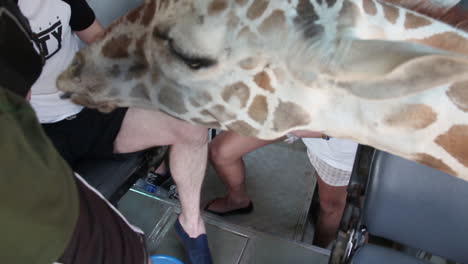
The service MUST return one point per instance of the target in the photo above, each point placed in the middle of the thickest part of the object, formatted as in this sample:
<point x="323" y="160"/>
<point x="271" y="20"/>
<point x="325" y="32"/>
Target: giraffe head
<point x="214" y="62"/>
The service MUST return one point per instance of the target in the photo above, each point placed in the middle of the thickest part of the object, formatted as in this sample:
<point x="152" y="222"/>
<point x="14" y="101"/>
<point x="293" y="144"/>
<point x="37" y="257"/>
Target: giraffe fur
<point x="377" y="72"/>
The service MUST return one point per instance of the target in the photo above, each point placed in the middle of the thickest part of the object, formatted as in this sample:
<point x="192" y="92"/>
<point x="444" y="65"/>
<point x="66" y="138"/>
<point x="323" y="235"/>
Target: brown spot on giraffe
<point x="172" y="99"/>
<point x="391" y="13"/>
<point x="263" y="81"/>
<point x="140" y="91"/>
<point x="306" y="17"/>
<point x="205" y="123"/>
<point x="140" y="45"/>
<point x="241" y="2"/>
<point x="280" y="75"/>
<point x="220" y="113"/>
<point x="247" y="34"/>
<point x="150" y="11"/>
<point x="160" y="34"/>
<point x="450" y="41"/>
<point x="415" y="116"/>
<point x="200" y="98"/>
<point x="137" y="69"/>
<point x="288" y="115"/>
<point x="435" y="163"/>
<point x="134" y="14"/>
<point x="154" y="76"/>
<point x="155" y="72"/>
<point x="249" y="63"/>
<point x="76" y="67"/>
<point x="413" y="21"/>
<point x="237" y="90"/>
<point x="97" y="87"/>
<point x="458" y="93"/>
<point x="140" y="65"/>
<point x="370" y="7"/>
<point x="258" y="110"/>
<point x="349" y="15"/>
<point x="331" y="3"/>
<point x="217" y="6"/>
<point x="117" y="47"/>
<point x="233" y="20"/>
<point x="257" y="9"/>
<point x="275" y="23"/>
<point x="454" y="142"/>
<point x="243" y="128"/>
<point x="194" y="103"/>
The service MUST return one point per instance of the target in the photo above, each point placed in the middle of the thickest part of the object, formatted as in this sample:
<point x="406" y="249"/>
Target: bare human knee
<point x="332" y="203"/>
<point x="221" y="154"/>
<point x="193" y="135"/>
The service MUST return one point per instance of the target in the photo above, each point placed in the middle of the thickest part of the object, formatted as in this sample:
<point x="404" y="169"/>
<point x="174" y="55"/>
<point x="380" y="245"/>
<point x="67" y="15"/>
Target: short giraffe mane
<point x="451" y="12"/>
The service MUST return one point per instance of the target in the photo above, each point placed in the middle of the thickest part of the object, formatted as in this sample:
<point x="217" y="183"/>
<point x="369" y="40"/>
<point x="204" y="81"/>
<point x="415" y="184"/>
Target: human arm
<point x="83" y="21"/>
<point x="91" y="33"/>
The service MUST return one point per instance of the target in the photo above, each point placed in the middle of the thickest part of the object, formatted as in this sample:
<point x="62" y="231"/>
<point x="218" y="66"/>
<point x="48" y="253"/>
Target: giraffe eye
<point x="194" y="63"/>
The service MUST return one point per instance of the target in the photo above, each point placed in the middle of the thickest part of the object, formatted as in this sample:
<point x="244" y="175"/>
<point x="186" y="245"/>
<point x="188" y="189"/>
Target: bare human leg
<point x="226" y="152"/>
<point x="142" y="129"/>
<point x="332" y="203"/>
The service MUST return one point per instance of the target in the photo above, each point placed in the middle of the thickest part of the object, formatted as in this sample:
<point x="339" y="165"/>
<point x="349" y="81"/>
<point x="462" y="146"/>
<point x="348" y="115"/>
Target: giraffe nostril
<point x="66" y="95"/>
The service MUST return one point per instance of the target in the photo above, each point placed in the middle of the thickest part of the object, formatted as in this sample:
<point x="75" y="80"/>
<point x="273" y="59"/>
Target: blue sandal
<point x="197" y="249"/>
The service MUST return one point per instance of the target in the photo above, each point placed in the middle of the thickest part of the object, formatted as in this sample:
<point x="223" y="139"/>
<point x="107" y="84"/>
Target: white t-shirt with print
<point x="49" y="20"/>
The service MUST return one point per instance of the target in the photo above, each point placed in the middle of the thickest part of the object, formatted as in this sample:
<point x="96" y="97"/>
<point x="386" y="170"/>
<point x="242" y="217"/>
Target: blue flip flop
<point x="197" y="249"/>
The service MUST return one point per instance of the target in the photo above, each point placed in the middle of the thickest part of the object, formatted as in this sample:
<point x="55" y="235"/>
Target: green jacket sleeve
<point x="38" y="196"/>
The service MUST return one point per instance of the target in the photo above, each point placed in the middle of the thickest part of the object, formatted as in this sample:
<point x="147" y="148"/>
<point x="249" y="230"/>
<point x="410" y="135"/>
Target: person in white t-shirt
<point x="77" y="132"/>
<point x="332" y="159"/>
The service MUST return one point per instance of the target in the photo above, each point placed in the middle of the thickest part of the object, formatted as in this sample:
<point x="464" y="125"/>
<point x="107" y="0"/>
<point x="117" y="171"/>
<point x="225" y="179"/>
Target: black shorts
<point x="102" y="235"/>
<point x="89" y="134"/>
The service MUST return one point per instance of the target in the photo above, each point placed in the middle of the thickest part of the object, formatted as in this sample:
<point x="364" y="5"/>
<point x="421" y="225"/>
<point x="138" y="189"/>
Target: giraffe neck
<point x="407" y="99"/>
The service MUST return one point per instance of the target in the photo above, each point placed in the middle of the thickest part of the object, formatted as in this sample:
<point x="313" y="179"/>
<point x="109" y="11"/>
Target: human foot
<point x="197" y="248"/>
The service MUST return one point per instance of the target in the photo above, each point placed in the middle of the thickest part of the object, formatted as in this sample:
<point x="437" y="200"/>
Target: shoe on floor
<point x="197" y="249"/>
<point x="244" y="210"/>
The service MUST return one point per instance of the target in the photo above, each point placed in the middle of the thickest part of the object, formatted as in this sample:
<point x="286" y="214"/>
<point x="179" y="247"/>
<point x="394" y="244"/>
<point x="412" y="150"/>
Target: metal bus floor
<point x="229" y="243"/>
<point x="280" y="182"/>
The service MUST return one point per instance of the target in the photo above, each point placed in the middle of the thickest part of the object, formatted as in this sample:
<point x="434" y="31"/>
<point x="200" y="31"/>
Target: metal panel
<point x="229" y="243"/>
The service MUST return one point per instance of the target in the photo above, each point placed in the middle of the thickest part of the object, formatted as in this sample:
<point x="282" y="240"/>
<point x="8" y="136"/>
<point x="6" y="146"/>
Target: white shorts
<point x="329" y="174"/>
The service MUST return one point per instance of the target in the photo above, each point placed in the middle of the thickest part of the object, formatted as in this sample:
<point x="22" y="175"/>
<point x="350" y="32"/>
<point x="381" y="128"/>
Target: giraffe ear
<point x="378" y="69"/>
